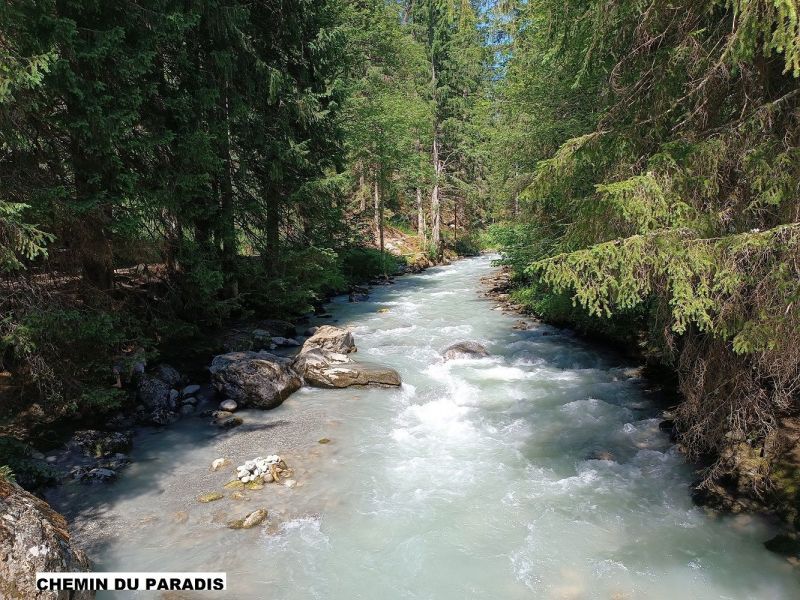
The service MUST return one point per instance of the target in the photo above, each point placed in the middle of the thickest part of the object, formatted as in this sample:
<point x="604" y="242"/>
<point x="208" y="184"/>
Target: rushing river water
<point x="477" y="479"/>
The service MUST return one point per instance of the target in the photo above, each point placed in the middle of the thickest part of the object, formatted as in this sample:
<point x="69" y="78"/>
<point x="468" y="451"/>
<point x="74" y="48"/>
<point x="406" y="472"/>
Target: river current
<point x="538" y="472"/>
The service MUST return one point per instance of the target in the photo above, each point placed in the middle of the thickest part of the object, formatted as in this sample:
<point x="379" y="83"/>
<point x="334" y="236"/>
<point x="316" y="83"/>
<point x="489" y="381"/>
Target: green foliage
<point x="6" y="473"/>
<point x="297" y="283"/>
<point x="17" y="465"/>
<point x="649" y="166"/>
<point x="362" y="264"/>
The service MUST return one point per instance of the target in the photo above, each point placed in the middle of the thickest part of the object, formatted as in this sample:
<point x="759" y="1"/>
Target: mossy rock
<point x="234" y="485"/>
<point x="254" y="485"/>
<point x="383" y="310"/>
<point x="324" y="441"/>
<point x="254" y="518"/>
<point x="210" y="497"/>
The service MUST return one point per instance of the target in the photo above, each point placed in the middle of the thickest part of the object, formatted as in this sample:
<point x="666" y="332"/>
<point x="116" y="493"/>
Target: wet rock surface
<point x="324" y="362"/>
<point x="34" y="538"/>
<point x="256" y="379"/>
<point x="465" y="350"/>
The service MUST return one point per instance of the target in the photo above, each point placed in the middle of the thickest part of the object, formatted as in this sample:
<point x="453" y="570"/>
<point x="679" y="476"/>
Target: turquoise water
<point x="476" y="479"/>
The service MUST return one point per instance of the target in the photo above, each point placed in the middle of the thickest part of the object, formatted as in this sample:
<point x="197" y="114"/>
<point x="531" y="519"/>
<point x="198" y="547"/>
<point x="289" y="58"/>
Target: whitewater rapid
<point x="538" y="472"/>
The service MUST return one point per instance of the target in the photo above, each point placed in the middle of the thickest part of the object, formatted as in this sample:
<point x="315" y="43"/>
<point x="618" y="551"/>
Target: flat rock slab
<point x="352" y="373"/>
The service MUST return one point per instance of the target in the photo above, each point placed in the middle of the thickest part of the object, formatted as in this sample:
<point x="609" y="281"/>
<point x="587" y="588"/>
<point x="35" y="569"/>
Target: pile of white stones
<point x="258" y="468"/>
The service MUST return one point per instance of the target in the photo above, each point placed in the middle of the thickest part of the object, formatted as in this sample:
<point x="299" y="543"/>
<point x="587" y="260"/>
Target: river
<point x="476" y="479"/>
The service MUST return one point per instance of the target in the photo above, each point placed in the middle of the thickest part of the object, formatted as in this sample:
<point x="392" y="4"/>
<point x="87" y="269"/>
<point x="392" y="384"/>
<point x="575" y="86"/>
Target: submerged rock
<point x="219" y="463"/>
<point x="226" y="420"/>
<point x="465" y="350"/>
<point x="785" y="544"/>
<point x="210" y="497"/>
<point x="253" y="519"/>
<point x="257" y="379"/>
<point x="190" y="390"/>
<point x="34" y="538"/>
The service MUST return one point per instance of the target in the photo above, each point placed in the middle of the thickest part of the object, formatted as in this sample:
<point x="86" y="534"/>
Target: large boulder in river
<point x="330" y="339"/>
<point x="334" y="370"/>
<point x="465" y="350"/>
<point x="34" y="538"/>
<point x="257" y="379"/>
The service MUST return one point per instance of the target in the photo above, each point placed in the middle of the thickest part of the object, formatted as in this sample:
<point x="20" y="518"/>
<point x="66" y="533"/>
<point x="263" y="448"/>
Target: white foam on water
<point x="477" y="478"/>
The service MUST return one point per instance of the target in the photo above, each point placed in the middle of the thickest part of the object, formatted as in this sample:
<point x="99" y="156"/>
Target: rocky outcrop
<point x="330" y="339"/>
<point x="256" y="379"/>
<point x="331" y="370"/>
<point x="465" y="350"/>
<point x="34" y="538"/>
<point x="324" y="362"/>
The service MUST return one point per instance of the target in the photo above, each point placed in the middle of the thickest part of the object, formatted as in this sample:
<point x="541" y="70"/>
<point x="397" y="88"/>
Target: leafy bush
<point x="361" y="264"/>
<point x="469" y="245"/>
<point x="16" y="463"/>
<point x="294" y="284"/>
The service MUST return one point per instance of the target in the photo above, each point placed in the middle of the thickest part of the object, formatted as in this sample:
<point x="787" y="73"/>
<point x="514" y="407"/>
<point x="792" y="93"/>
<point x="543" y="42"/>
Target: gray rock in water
<point x="465" y="350"/>
<point x="254" y="518"/>
<point x="257" y="379"/>
<point x="154" y="393"/>
<point x="101" y="474"/>
<point x="331" y="339"/>
<point x="310" y="331"/>
<point x="228" y="422"/>
<point x="228" y="405"/>
<point x="320" y="369"/>
<point x="187" y="409"/>
<point x="190" y="390"/>
<point x="168" y="374"/>
<point x="91" y="442"/>
<point x="191" y="400"/>
<point x="34" y="538"/>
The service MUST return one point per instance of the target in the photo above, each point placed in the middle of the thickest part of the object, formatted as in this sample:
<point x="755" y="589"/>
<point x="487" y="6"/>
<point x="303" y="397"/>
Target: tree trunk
<point x="362" y="194"/>
<point x="421" y="218"/>
<point x="93" y="248"/>
<point x="273" y="232"/>
<point x="227" y="227"/>
<point x="436" y="210"/>
<point x="378" y="199"/>
<point x="376" y="206"/>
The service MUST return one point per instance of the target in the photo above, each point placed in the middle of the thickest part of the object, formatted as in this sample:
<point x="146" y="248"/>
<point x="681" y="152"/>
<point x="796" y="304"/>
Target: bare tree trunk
<point x="421" y="218"/>
<point x="455" y="220"/>
<point x="227" y="228"/>
<point x="436" y="210"/>
<point x="361" y="192"/>
<point x="376" y="215"/>
<point x="379" y="223"/>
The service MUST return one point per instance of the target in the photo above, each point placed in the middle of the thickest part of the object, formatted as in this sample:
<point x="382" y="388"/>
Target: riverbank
<point x="538" y="469"/>
<point x="736" y="492"/>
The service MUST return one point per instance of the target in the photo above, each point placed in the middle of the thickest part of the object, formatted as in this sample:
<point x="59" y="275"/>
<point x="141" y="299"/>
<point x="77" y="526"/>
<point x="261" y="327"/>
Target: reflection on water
<point x="536" y="472"/>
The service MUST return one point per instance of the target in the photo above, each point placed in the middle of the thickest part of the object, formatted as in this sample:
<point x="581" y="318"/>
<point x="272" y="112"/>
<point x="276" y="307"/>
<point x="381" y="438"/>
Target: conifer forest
<point x="186" y="183"/>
